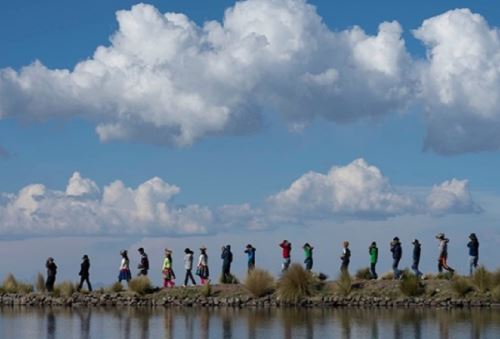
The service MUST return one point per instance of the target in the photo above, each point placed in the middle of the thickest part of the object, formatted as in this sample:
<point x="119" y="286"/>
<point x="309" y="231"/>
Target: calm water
<point x="202" y="323"/>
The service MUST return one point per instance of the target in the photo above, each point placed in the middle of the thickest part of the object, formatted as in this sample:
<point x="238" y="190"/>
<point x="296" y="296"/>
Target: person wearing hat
<point x="308" y="254"/>
<point x="167" y="271"/>
<point x="227" y="259"/>
<point x="124" y="267"/>
<point x="202" y="269"/>
<point x="373" y="251"/>
<point x="51" y="274"/>
<point x="443" y="253"/>
<point x="473" y="246"/>
<point x="84" y="273"/>
<point x="345" y="258"/>
<point x="250" y="251"/>
<point x="416" y="257"/>
<point x="188" y="265"/>
<point x="397" y="253"/>
<point x="143" y="266"/>
<point x="286" y="250"/>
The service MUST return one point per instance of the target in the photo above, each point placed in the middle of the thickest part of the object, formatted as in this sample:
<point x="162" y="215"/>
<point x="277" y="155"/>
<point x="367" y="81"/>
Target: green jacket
<point x="373" y="254"/>
<point x="308" y="252"/>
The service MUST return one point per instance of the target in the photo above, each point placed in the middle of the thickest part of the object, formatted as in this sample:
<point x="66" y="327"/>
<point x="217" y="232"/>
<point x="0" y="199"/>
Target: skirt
<point x="124" y="275"/>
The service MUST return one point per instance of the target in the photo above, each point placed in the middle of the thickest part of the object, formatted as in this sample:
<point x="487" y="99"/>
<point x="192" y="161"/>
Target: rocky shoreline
<point x="164" y="300"/>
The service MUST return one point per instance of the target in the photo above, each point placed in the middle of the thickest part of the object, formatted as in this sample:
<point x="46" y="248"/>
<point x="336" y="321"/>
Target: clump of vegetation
<point x="140" y="285"/>
<point x="343" y="285"/>
<point x="495" y="293"/>
<point x="363" y="274"/>
<point x="117" y="287"/>
<point x="295" y="284"/>
<point x="65" y="289"/>
<point x="410" y="285"/>
<point x="461" y="286"/>
<point x="482" y="278"/>
<point x="259" y="282"/>
<point x="445" y="276"/>
<point x="12" y="285"/>
<point x="40" y="283"/>
<point x="495" y="278"/>
<point x="206" y="290"/>
<point x="387" y="276"/>
<point x="231" y="279"/>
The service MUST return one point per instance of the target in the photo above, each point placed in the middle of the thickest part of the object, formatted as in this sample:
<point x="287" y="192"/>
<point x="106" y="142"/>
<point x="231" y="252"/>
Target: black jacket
<point x="84" y="268"/>
<point x="397" y="251"/>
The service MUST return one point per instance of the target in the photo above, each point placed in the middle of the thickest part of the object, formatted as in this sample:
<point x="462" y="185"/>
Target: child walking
<point x="167" y="271"/>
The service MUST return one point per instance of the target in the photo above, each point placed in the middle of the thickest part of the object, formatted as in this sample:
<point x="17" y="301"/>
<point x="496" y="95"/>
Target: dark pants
<point x="309" y="263"/>
<point x="251" y="265"/>
<point x="84" y="279"/>
<point x="142" y="272"/>
<point x="226" y="273"/>
<point x="373" y="273"/>
<point x="395" y="264"/>
<point x="345" y="266"/>
<point x="415" y="269"/>
<point x="49" y="283"/>
<point x="189" y="275"/>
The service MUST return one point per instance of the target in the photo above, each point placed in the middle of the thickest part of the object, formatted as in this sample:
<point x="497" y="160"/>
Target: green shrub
<point x="461" y="286"/>
<point x="116" y="287"/>
<point x="363" y="274"/>
<point x="445" y="276"/>
<point x="410" y="285"/>
<point x="259" y="282"/>
<point x="65" y="289"/>
<point x="482" y="279"/>
<point x="206" y="290"/>
<point x="40" y="283"/>
<point x="12" y="285"/>
<point x="495" y="278"/>
<point x="343" y="285"/>
<point x="295" y="284"/>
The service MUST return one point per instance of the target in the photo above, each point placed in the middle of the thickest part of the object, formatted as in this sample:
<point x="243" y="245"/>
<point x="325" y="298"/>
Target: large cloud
<point x="359" y="190"/>
<point x="166" y="80"/>
<point x="460" y="82"/>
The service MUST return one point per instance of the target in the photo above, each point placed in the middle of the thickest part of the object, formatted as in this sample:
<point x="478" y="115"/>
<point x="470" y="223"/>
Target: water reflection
<point x="204" y="323"/>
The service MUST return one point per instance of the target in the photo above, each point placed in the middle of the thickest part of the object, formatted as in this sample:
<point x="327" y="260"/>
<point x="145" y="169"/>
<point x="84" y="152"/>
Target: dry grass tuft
<point x="482" y="278"/>
<point x="65" y="289"/>
<point x="40" y="283"/>
<point x="295" y="284"/>
<point x="12" y="285"/>
<point x="259" y="282"/>
<point x="363" y="274"/>
<point x="410" y="285"/>
<point x="461" y="286"/>
<point x="116" y="287"/>
<point x="140" y="285"/>
<point x="343" y="285"/>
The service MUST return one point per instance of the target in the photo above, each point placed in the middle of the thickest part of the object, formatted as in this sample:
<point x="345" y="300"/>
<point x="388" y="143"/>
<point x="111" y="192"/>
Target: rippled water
<point x="19" y="322"/>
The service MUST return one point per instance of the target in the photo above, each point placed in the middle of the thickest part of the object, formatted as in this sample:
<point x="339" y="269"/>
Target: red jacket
<point x="287" y="248"/>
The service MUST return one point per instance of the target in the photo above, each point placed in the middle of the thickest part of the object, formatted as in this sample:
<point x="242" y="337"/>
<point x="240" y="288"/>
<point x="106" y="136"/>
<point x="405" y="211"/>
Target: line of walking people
<point x="202" y="269"/>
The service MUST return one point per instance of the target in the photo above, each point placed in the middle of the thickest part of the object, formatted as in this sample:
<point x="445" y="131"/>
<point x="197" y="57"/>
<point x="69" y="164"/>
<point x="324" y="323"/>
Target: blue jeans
<point x="395" y="264"/>
<point x="373" y="273"/>
<point x="415" y="269"/>
<point x="285" y="264"/>
<point x="473" y="263"/>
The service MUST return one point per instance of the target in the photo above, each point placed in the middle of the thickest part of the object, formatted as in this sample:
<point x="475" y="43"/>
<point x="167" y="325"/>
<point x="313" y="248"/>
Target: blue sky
<point x="223" y="177"/>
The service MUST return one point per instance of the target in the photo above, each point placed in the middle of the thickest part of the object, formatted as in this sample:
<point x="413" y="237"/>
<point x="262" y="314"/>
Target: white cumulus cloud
<point x="164" y="79"/>
<point x="359" y="190"/>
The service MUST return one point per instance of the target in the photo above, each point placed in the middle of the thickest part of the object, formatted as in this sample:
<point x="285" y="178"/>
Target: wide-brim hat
<point x="203" y="247"/>
<point x="168" y="251"/>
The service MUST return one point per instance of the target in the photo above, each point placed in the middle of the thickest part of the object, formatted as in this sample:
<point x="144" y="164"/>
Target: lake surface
<point x="201" y="323"/>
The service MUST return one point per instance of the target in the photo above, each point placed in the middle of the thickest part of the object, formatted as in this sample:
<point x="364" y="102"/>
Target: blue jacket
<point x="416" y="252"/>
<point x="251" y="254"/>
<point x="473" y="246"/>
<point x="397" y="251"/>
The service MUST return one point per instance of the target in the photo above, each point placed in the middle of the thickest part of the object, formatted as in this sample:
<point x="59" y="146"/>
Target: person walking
<point x="143" y="266"/>
<point x="373" y="251"/>
<point x="308" y="254"/>
<point x="167" y="271"/>
<point x="124" y="267"/>
<point x="188" y="266"/>
<point x="84" y="273"/>
<point x="443" y="254"/>
<point x="227" y="259"/>
<point x="51" y="274"/>
<point x="397" y="253"/>
<point x="286" y="252"/>
<point x="250" y="251"/>
<point x="416" y="257"/>
<point x="202" y="268"/>
<point x="473" y="246"/>
<point x="345" y="258"/>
